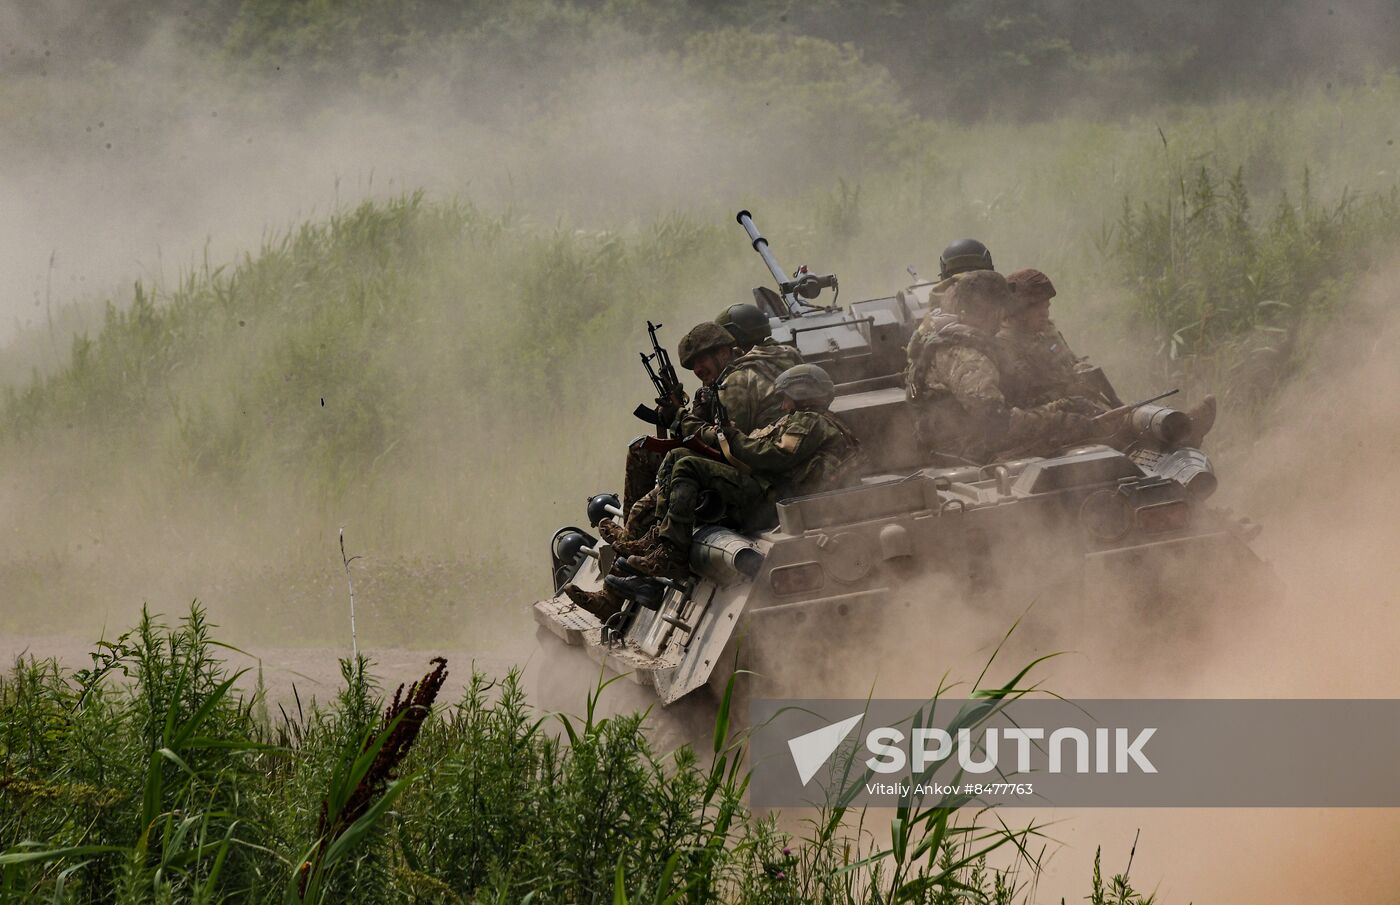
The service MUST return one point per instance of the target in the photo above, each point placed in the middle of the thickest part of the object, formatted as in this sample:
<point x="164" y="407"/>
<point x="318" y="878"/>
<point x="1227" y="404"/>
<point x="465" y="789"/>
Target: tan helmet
<point x="979" y="292"/>
<point x="703" y="337"/>
<point x="1029" y="286"/>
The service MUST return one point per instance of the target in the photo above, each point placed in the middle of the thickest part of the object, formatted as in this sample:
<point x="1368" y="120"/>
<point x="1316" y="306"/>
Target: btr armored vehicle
<point x="1090" y="531"/>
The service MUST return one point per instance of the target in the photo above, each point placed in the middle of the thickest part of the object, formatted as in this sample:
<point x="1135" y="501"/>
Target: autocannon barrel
<point x="760" y="245"/>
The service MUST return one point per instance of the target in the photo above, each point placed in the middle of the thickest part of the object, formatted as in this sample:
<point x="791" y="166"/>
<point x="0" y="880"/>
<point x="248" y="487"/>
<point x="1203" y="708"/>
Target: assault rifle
<point x="669" y="392"/>
<point x="706" y="397"/>
<point x="692" y="443"/>
<point x="1158" y="420"/>
<point x="1124" y="409"/>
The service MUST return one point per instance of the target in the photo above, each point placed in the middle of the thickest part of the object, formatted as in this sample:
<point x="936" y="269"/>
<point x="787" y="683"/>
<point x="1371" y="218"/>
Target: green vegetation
<point x="997" y="58"/>
<point x="448" y="373"/>
<point x="1235" y="298"/>
<point x="146" y="778"/>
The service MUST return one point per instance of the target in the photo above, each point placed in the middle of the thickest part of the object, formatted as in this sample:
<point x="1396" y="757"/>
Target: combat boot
<point x="639" y="589"/>
<point x="611" y="532"/>
<point x="636" y="546"/>
<point x="1202" y="416"/>
<point x="602" y="605"/>
<point x="662" y="560"/>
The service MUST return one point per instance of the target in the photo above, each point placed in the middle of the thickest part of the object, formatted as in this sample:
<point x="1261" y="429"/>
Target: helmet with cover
<point x="980" y="297"/>
<point x="807" y="385"/>
<point x="703" y="337"/>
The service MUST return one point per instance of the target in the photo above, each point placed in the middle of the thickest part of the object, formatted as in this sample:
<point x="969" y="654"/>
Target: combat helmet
<point x="807" y="385"/>
<point x="747" y="323"/>
<point x="962" y="256"/>
<point x="703" y="337"/>
<point x="982" y="293"/>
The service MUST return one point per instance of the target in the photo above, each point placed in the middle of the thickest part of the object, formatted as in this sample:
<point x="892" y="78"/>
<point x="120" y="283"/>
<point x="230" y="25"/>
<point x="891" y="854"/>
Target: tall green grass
<point x="150" y="777"/>
<point x="1234" y="296"/>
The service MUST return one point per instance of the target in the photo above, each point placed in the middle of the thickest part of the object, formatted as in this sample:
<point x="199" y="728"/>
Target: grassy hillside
<point x="449" y="382"/>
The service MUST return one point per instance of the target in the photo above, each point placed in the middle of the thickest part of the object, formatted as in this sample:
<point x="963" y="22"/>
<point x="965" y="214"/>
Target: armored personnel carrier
<point x="1089" y="523"/>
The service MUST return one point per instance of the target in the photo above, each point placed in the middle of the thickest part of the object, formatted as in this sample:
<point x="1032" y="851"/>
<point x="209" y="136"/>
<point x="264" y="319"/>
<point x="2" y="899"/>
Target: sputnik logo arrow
<point x="811" y="750"/>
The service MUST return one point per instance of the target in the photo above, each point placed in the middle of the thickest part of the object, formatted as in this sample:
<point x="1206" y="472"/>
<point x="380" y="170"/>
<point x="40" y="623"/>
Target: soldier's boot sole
<point x="602" y="605"/>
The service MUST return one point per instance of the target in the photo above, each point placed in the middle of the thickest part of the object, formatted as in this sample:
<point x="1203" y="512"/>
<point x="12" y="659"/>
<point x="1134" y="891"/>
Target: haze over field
<point x="215" y="356"/>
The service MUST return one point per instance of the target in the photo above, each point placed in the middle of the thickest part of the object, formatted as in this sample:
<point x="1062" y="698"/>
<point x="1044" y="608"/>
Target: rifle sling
<point x="729" y="455"/>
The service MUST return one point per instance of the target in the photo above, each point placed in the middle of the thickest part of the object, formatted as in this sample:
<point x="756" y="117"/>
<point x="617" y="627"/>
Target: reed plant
<point x="153" y="775"/>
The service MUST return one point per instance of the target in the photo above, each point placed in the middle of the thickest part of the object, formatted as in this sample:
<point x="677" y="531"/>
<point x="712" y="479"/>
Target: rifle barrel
<point x="1132" y="405"/>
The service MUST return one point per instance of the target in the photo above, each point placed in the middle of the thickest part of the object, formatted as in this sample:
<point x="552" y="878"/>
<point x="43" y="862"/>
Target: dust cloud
<point x="1318" y="474"/>
<point x="1320" y="477"/>
<point x="173" y="158"/>
<point x="162" y="162"/>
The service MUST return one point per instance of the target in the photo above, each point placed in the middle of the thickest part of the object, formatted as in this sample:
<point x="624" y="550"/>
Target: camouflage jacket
<point x="746" y="391"/>
<point x="1046" y="367"/>
<point x="972" y="403"/>
<point x="802" y="452"/>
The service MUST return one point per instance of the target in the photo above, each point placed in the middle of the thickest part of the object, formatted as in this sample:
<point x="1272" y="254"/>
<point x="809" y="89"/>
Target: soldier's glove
<point x="704" y="404"/>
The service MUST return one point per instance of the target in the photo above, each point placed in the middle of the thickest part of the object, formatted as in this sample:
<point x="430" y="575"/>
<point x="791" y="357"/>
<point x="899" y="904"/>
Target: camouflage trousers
<point x="683" y="479"/>
<point x="641" y="515"/>
<point x="638" y="475"/>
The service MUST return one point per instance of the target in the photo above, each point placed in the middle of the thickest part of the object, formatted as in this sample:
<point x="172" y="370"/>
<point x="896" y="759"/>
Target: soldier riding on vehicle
<point x="805" y="451"/>
<point x="971" y="401"/>
<point x="785" y="540"/>
<point x="1050" y="370"/>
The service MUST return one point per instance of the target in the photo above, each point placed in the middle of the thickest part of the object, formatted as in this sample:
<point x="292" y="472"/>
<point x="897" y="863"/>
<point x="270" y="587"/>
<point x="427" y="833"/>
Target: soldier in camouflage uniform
<point x="745" y="386"/>
<point x="707" y="351"/>
<point x="960" y="257"/>
<point x="742" y="384"/>
<point x="805" y="451"/>
<point x="1048" y="368"/>
<point x="972" y="402"/>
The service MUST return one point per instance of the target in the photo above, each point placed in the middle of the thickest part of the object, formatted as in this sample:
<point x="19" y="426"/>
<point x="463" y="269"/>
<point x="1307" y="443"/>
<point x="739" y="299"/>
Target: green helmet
<point x="962" y="256"/>
<point x="807" y="385"/>
<point x="747" y="323"/>
<point x="979" y="293"/>
<point x="703" y="337"/>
